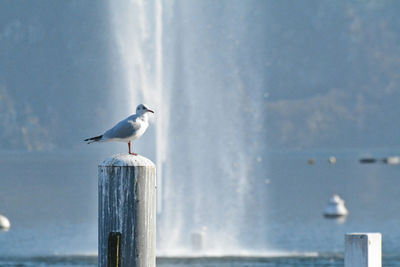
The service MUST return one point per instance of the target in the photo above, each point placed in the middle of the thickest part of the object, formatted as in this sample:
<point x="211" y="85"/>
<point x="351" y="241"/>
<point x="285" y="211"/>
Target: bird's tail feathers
<point x="93" y="139"/>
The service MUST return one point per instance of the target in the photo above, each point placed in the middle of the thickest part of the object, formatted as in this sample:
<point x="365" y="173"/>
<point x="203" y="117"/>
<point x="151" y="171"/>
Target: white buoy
<point x="4" y="223"/>
<point x="394" y="160"/>
<point x="335" y="208"/>
<point x="332" y="160"/>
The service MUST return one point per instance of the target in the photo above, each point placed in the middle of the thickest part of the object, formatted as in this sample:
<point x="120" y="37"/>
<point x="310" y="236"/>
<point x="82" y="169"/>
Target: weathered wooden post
<point x="127" y="210"/>
<point x="363" y="250"/>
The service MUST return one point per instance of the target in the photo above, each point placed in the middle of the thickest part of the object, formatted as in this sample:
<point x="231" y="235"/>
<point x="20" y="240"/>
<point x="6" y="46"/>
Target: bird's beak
<point x="149" y="110"/>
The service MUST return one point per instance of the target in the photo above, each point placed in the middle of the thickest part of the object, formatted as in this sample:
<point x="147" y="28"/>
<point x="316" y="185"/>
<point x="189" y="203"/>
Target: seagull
<point x="126" y="130"/>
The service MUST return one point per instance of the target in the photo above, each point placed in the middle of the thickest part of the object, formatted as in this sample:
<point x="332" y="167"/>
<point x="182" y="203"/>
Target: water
<point x="331" y="261"/>
<point x="58" y="197"/>
<point x="168" y="262"/>
<point x="299" y="198"/>
<point x="51" y="202"/>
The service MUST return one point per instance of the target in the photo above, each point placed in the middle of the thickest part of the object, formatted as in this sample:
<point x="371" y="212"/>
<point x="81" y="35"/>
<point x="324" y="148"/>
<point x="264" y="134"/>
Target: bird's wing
<point x="123" y="129"/>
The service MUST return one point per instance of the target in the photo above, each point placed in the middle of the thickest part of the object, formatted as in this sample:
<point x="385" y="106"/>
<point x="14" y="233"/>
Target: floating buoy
<point x="332" y="160"/>
<point x="392" y="160"/>
<point x="311" y="161"/>
<point x="4" y="223"/>
<point x="335" y="208"/>
<point x="367" y="160"/>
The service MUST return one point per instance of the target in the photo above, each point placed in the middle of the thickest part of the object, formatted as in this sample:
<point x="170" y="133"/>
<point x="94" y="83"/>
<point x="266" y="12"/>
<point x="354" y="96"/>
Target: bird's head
<point x="142" y="109"/>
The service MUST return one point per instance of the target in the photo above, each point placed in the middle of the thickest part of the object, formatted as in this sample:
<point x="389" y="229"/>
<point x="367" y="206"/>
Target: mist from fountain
<point x="139" y="42"/>
<point x="192" y="62"/>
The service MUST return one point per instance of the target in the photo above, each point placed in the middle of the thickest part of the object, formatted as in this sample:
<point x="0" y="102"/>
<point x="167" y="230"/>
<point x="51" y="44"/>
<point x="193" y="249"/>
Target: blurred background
<point x="246" y="94"/>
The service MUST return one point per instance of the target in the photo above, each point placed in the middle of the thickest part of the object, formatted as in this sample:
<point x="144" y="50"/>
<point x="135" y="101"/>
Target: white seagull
<point x="126" y="130"/>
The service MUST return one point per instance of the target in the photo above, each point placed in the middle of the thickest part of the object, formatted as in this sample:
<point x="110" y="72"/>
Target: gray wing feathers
<point x="123" y="129"/>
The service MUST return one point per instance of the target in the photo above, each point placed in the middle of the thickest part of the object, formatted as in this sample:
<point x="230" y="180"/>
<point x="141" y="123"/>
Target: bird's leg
<point x="129" y="145"/>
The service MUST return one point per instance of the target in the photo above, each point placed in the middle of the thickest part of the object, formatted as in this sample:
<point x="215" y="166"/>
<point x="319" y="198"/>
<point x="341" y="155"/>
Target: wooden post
<point x="127" y="212"/>
<point x="363" y="250"/>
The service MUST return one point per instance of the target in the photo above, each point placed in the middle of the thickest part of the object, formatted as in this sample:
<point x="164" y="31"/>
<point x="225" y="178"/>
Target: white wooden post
<point x="127" y="212"/>
<point x="363" y="250"/>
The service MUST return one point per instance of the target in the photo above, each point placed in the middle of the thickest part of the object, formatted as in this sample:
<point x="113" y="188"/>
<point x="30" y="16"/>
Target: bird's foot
<point x="133" y="153"/>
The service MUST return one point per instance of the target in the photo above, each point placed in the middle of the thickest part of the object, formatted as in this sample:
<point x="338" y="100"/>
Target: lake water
<point x="51" y="201"/>
<point x="323" y="260"/>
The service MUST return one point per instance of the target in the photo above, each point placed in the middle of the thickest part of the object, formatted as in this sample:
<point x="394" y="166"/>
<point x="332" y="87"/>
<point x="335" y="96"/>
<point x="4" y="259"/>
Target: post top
<point x="126" y="160"/>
